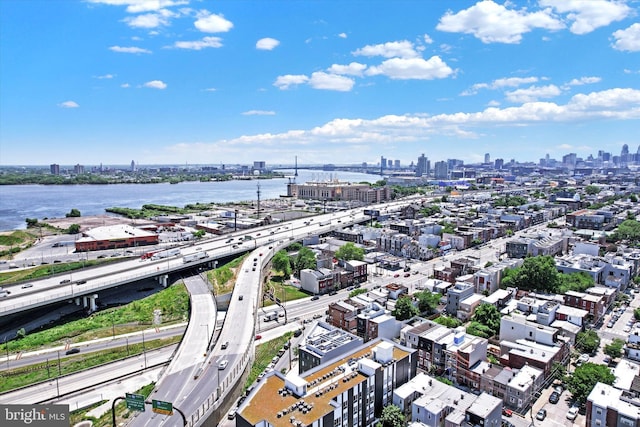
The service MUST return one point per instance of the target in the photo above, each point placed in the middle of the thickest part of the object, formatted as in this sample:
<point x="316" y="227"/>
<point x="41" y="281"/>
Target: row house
<point x="585" y="218"/>
<point x="343" y="315"/>
<point x="455" y="294"/>
<point x="428" y="402"/>
<point x="609" y="406"/>
<point x="358" y="268"/>
<point x="522" y="352"/>
<point x="461" y="352"/>
<point x="594" y="304"/>
<point x="392" y="242"/>
<point x="348" y="235"/>
<point x="488" y="279"/>
<point x="323" y="343"/>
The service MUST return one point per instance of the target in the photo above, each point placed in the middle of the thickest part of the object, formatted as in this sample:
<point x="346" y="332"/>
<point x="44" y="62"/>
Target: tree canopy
<point x="427" y="301"/>
<point x="74" y="213"/>
<point x="614" y="349"/>
<point x="448" y="321"/>
<point x="587" y="341"/>
<point x="405" y="309"/>
<point x="392" y="416"/>
<point x="592" y="189"/>
<point x="488" y="316"/>
<point x="305" y="259"/>
<point x="350" y="251"/>
<point x="585" y="377"/>
<point x="281" y="263"/>
<point x="540" y="274"/>
<point x="628" y="230"/>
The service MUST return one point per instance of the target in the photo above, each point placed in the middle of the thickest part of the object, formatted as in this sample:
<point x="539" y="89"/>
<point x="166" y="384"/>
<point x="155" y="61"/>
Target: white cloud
<point x="491" y="22"/>
<point x="150" y="20"/>
<point x="342" y="35"/>
<point x="412" y="68"/>
<point x="212" y="23"/>
<point x="210" y="89"/>
<point x="500" y="84"/>
<point x="325" y="81"/>
<point x="131" y="49"/>
<point x="137" y="6"/>
<point x="68" y="104"/>
<point x="584" y="81"/>
<point x="427" y="39"/>
<point x="125" y="85"/>
<point x="199" y="44"/>
<point x="105" y="76"/>
<point x="286" y="81"/>
<point x="267" y="43"/>
<point x="628" y="39"/>
<point x="156" y="84"/>
<point x="589" y="15"/>
<point x="259" y="113"/>
<point x="355" y="135"/>
<point x="403" y="49"/>
<point x="353" y="69"/>
<point x="533" y="93"/>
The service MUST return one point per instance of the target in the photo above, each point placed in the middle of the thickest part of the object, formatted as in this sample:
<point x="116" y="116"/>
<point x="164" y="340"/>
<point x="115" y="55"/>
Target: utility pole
<point x="258" y="201"/>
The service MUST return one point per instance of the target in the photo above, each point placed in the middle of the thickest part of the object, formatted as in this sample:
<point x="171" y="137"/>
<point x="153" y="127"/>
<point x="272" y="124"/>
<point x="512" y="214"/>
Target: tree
<point x="636" y="313"/>
<point x="427" y="301"/>
<point x="592" y="190"/>
<point x="358" y="291"/>
<point x="305" y="259"/>
<point x="575" y="282"/>
<point x="73" y="229"/>
<point x="294" y="247"/>
<point x="392" y="416"/>
<point x="199" y="234"/>
<point x="405" y="309"/>
<point x="74" y="213"/>
<point x="281" y="263"/>
<point x="31" y="222"/>
<point x="479" y="330"/>
<point x="350" y="251"/>
<point x="585" y="377"/>
<point x="628" y="230"/>
<point x="614" y="349"/>
<point x="587" y="341"/>
<point x="536" y="273"/>
<point x="449" y="322"/>
<point x="489" y="316"/>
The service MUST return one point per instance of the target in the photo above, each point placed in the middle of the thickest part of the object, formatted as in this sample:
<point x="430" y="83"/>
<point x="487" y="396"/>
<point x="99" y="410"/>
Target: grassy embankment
<point x="280" y="289"/>
<point x="42" y="271"/>
<point x="264" y="353"/>
<point x="14" y="242"/>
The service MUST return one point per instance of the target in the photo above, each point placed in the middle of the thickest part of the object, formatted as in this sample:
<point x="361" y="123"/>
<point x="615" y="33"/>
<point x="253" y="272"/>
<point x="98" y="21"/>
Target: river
<point x="18" y="202"/>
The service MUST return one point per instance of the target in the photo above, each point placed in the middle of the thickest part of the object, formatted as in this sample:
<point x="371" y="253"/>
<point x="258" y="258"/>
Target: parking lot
<point x="556" y="413"/>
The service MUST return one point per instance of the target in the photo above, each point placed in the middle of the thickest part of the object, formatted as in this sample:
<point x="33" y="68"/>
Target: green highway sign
<point x="135" y="401"/>
<point x="160" y="407"/>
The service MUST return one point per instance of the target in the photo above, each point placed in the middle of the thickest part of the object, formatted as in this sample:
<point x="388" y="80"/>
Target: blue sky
<point x="211" y="82"/>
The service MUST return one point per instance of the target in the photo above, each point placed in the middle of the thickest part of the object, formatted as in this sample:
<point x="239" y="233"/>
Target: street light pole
<point x="144" y="353"/>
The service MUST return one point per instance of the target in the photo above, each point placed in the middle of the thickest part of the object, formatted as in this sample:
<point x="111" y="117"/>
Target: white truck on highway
<point x="165" y="254"/>
<point x="194" y="257"/>
<point x="271" y="316"/>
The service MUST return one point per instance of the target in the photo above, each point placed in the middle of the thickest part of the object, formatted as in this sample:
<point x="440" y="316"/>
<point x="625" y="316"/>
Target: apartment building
<point x="609" y="406"/>
<point x="349" y="391"/>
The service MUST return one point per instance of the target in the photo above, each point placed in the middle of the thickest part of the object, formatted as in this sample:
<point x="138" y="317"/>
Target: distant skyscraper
<point x="487" y="158"/>
<point x="78" y="169"/>
<point x="453" y="163"/>
<point x="423" y="166"/>
<point x="390" y="163"/>
<point x="441" y="170"/>
<point x="133" y="166"/>
<point x="499" y="163"/>
<point x="396" y="164"/>
<point x="569" y="160"/>
<point x="624" y="155"/>
<point x="55" y="169"/>
<point x="383" y="164"/>
<point x="260" y="165"/>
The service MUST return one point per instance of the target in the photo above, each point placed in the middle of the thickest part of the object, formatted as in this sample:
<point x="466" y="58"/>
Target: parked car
<point x="572" y="413"/>
<point x="584" y="358"/>
<point x="554" y="397"/>
<point x="610" y="324"/>
<point x="507" y="412"/>
<point x="258" y="337"/>
<point x="541" y="415"/>
<point x="74" y="350"/>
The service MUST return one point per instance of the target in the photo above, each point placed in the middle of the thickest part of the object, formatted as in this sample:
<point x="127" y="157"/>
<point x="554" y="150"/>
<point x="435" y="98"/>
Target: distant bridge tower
<point x="258" y="201"/>
<point x="296" y="168"/>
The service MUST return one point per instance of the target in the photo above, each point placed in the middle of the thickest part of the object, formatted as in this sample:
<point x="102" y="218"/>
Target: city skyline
<point x="185" y="82"/>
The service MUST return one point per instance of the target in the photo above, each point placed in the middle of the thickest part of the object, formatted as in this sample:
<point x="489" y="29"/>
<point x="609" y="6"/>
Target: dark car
<point x="73" y="350"/>
<point x="554" y="398"/>
<point x="315" y="297"/>
<point x="297" y="333"/>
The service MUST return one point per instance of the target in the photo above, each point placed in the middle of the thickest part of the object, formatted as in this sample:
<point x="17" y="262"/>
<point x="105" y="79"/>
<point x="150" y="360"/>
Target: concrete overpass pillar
<point x="77" y="301"/>
<point x="164" y="280"/>
<point x="84" y="301"/>
<point x="92" y="300"/>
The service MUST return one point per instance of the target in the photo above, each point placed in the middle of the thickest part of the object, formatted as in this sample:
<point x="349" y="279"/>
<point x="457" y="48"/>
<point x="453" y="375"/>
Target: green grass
<point x="264" y="353"/>
<point x="283" y="291"/>
<point x="16" y="238"/>
<point x="173" y="302"/>
<point x="122" y="413"/>
<point x="27" y="375"/>
<point x="42" y="271"/>
<point x="223" y="278"/>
